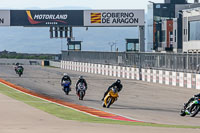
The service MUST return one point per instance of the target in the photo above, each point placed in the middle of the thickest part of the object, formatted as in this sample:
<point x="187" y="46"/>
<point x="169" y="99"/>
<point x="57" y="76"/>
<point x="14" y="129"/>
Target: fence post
<point x="140" y="67"/>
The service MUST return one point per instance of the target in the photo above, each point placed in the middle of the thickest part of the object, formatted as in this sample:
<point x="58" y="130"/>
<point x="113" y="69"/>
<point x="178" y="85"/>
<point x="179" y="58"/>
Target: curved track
<point x="139" y="100"/>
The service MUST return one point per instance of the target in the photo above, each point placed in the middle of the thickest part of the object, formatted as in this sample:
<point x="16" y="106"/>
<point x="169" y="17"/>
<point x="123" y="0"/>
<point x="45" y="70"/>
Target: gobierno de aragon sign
<point x="113" y="18"/>
<point x="74" y="18"/>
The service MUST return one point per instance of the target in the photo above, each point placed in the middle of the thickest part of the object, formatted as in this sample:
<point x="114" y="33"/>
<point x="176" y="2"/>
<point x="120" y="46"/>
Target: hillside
<point x="36" y="40"/>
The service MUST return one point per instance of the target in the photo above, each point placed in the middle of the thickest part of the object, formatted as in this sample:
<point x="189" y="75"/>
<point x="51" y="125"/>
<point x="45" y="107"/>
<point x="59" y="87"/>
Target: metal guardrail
<point x="181" y="62"/>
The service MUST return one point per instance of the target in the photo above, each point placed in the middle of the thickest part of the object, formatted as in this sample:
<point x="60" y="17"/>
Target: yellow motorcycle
<point x="110" y="98"/>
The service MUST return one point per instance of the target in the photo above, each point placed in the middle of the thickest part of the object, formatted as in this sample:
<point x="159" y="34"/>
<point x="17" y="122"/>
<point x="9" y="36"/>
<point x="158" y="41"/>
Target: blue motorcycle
<point x="66" y="87"/>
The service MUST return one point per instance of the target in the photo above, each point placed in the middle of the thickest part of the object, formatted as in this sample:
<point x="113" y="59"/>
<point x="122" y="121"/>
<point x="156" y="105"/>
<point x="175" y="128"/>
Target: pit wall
<point x="187" y="80"/>
<point x="55" y="64"/>
<point x="5" y="61"/>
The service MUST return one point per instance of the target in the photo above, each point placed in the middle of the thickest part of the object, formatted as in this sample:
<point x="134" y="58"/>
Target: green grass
<point x="69" y="114"/>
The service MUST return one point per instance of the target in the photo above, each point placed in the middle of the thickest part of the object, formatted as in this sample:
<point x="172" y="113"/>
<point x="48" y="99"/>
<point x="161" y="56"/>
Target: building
<point x="191" y="32"/>
<point x="159" y="14"/>
<point x="167" y="35"/>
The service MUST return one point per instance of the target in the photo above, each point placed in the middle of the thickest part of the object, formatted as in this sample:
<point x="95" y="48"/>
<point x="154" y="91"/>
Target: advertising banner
<point x="114" y="18"/>
<point x="4" y="18"/>
<point x="47" y="18"/>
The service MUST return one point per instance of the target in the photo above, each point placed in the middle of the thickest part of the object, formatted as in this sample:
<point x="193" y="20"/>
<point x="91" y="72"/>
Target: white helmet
<point x="64" y="74"/>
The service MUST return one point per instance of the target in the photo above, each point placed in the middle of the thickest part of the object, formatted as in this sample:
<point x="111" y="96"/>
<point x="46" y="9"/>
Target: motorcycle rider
<point x="190" y="100"/>
<point x="18" y="66"/>
<point x="66" y="78"/>
<point x="117" y="84"/>
<point x="81" y="80"/>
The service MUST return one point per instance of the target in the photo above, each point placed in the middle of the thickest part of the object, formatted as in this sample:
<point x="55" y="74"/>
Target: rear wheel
<point x="194" y="110"/>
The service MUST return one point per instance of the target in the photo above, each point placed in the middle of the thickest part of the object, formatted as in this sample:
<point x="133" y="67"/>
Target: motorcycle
<point x="19" y="71"/>
<point x="66" y="87"/>
<point x="81" y="91"/>
<point x="110" y="98"/>
<point x="192" y="108"/>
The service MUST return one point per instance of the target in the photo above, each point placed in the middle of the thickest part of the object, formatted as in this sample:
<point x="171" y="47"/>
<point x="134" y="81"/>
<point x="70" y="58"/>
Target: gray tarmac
<point x="139" y="100"/>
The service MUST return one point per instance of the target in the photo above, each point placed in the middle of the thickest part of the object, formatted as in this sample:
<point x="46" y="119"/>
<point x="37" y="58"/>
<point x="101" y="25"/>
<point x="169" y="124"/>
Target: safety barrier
<point x="54" y="64"/>
<point x="5" y="61"/>
<point x="188" y="80"/>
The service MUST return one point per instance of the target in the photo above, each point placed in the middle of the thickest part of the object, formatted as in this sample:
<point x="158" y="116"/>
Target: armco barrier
<point x="188" y="80"/>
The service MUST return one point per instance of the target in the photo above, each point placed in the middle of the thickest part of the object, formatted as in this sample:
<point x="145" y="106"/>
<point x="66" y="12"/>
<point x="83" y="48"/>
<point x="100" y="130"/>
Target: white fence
<point x="188" y="80"/>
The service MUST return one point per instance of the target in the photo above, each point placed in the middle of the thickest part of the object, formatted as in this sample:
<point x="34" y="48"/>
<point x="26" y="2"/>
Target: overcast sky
<point x="76" y="4"/>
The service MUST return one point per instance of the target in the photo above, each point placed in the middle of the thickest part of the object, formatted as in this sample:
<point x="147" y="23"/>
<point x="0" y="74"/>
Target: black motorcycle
<point x="19" y="71"/>
<point x="192" y="108"/>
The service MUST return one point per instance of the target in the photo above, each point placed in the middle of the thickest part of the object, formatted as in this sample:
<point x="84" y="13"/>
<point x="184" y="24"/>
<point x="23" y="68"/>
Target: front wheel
<point x="103" y="105"/>
<point x="20" y="74"/>
<point x="66" y="90"/>
<point x="194" y="110"/>
<point x="109" y="102"/>
<point x="182" y="113"/>
<point x="81" y="95"/>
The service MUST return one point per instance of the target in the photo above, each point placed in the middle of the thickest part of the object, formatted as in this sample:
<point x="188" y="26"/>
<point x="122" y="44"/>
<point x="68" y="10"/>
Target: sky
<point x="66" y="5"/>
<point x="77" y="4"/>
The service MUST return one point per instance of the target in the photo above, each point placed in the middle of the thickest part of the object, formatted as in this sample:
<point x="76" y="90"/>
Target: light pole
<point x="61" y="47"/>
<point x="111" y="45"/>
<point x="151" y="2"/>
<point x="115" y="43"/>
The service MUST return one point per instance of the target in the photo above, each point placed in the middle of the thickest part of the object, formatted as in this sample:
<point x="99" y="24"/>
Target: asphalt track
<point x="139" y="100"/>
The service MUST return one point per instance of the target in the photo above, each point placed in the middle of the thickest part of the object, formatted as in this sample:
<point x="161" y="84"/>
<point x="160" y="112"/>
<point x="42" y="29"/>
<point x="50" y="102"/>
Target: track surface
<point x="139" y="100"/>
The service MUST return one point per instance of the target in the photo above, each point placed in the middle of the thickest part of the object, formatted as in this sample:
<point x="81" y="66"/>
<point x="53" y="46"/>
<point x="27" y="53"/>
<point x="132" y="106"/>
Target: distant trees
<point x="14" y="55"/>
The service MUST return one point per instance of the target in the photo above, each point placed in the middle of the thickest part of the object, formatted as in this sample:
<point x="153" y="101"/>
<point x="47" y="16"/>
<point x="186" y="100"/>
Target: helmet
<point x="80" y="77"/>
<point x="118" y="81"/>
<point x="64" y="74"/>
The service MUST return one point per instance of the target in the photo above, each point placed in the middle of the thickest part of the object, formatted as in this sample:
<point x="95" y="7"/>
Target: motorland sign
<point x="46" y="18"/>
<point x="4" y="18"/>
<point x="114" y="18"/>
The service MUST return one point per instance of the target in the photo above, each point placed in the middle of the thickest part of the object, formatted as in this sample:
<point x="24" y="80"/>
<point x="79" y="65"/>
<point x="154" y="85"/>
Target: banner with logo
<point x="114" y="18"/>
<point x="46" y="18"/>
<point x="4" y="18"/>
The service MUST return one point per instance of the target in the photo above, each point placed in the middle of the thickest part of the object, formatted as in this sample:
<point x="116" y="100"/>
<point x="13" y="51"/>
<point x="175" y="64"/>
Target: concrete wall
<point x="180" y="79"/>
<point x="21" y="61"/>
<point x="55" y="64"/>
<point x="93" y="57"/>
<point x="191" y="46"/>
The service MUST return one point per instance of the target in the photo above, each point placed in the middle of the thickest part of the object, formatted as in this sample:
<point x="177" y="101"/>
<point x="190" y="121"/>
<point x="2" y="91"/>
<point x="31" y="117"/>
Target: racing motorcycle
<point x="192" y="108"/>
<point x="66" y="87"/>
<point x="81" y="91"/>
<point x="19" y="71"/>
<point x="110" y="98"/>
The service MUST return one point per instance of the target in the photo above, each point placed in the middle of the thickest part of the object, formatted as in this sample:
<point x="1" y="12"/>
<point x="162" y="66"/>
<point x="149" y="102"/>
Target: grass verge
<point x="69" y="114"/>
